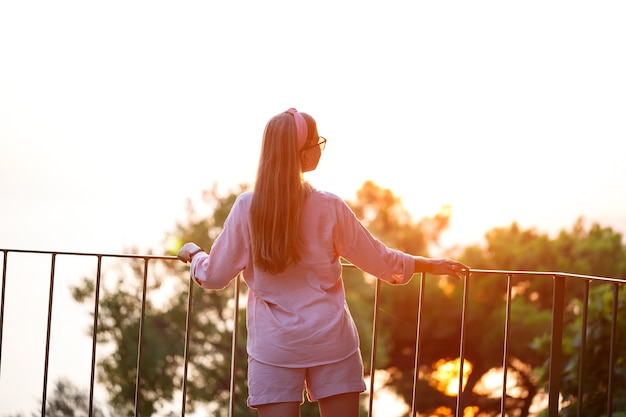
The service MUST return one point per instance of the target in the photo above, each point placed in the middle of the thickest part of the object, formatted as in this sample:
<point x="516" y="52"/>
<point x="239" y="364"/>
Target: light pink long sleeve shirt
<point x="299" y="318"/>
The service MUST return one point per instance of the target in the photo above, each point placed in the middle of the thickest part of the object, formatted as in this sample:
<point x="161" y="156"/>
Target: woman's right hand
<point x="441" y="267"/>
<point x="448" y="267"/>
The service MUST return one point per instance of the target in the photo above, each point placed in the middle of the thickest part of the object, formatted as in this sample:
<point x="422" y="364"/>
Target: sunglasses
<point x="321" y="143"/>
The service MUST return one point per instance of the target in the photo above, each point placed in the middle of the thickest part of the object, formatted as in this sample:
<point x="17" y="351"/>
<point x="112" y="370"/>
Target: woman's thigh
<point x="342" y="405"/>
<point x="291" y="409"/>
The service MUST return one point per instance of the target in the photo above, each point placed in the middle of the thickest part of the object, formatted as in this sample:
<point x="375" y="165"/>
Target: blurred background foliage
<point x="592" y="250"/>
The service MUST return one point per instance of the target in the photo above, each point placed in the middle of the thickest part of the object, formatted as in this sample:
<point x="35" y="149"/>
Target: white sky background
<point x="112" y="114"/>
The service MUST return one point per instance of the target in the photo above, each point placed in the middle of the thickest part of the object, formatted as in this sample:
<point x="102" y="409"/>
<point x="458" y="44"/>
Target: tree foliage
<point x="164" y="328"/>
<point x="594" y="251"/>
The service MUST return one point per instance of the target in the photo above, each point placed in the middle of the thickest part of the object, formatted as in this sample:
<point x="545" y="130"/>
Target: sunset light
<point x="447" y="412"/>
<point x="115" y="115"/>
<point x="445" y="376"/>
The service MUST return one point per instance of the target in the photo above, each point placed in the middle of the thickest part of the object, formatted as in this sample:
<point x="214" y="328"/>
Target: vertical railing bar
<point x="186" y="354"/>
<point x="141" y="329"/>
<point x="459" y="409"/>
<point x="505" y="355"/>
<point x="583" y="349"/>
<point x="609" y="406"/>
<point x="370" y="410"/>
<point x="4" y="281"/>
<point x="233" y="359"/>
<point x="95" y="334"/>
<point x="48" y="332"/>
<point x="418" y="333"/>
<point x="556" y="345"/>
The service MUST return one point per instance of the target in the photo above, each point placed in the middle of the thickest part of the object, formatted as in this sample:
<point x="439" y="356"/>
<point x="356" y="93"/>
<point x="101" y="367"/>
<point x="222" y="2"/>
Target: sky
<point x="113" y="114"/>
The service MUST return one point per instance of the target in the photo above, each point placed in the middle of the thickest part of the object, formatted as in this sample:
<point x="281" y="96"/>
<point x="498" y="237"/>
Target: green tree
<point x="164" y="327"/>
<point x="597" y="353"/>
<point x="384" y="215"/>
<point x="592" y="251"/>
<point x="596" y="251"/>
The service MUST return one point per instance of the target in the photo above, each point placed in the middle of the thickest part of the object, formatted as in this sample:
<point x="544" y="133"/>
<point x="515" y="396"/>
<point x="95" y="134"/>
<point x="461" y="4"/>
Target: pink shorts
<point x="269" y="384"/>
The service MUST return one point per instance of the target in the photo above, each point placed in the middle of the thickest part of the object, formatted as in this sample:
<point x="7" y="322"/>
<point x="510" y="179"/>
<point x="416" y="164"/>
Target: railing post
<point x="48" y="332"/>
<point x="418" y="336"/>
<point x="94" y="340"/>
<point x="186" y="354"/>
<point x="505" y="349"/>
<point x="612" y="349"/>
<point x="583" y="349"/>
<point x="4" y="280"/>
<point x="554" y="378"/>
<point x="233" y="361"/>
<point x="140" y="341"/>
<point x="459" y="402"/>
<point x="374" y="344"/>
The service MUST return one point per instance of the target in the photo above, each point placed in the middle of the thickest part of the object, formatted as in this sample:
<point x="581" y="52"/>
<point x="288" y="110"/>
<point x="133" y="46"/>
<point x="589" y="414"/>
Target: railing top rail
<point x="104" y="255"/>
<point x="547" y="273"/>
<point x="346" y="265"/>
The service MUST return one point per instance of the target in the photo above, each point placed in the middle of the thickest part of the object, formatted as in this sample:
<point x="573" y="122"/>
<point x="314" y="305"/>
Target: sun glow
<point x="386" y="401"/>
<point x="445" y="377"/>
<point x="447" y="412"/>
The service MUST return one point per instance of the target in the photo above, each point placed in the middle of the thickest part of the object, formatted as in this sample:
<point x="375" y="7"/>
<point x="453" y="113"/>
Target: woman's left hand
<point x="187" y="251"/>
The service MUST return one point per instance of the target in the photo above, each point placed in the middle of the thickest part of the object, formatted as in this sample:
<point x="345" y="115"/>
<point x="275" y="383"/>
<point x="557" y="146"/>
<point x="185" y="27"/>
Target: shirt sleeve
<point x="357" y="245"/>
<point x="229" y="254"/>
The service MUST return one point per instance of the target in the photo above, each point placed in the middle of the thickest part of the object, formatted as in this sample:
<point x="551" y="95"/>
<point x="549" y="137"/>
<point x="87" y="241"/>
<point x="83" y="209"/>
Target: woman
<point x="288" y="238"/>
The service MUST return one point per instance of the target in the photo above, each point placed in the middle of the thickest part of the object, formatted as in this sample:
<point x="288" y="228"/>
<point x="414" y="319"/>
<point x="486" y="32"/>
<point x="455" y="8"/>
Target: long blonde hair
<point x="279" y="195"/>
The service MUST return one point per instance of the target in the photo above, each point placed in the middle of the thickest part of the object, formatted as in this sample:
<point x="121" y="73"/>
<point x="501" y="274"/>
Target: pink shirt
<point x="299" y="318"/>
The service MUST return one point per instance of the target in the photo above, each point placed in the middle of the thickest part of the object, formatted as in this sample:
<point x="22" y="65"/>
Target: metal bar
<point x="4" y="281"/>
<point x="583" y="349"/>
<point x="609" y="406"/>
<point x="233" y="361"/>
<point x="48" y="332"/>
<point x="186" y="354"/>
<point x="95" y="334"/>
<point x="550" y="274"/>
<point x="505" y="354"/>
<point x="348" y="265"/>
<point x="374" y="344"/>
<point x="140" y="341"/>
<point x="459" y="403"/>
<point x="554" y="378"/>
<point x="104" y="255"/>
<point x="418" y="333"/>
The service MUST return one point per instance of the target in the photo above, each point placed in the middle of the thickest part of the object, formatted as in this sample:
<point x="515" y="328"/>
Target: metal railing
<point x="555" y="359"/>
